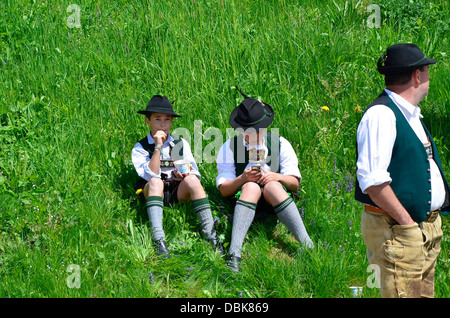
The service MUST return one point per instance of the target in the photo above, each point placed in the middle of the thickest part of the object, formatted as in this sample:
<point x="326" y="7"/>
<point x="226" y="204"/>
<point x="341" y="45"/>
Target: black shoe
<point x="234" y="263"/>
<point x="161" y="248"/>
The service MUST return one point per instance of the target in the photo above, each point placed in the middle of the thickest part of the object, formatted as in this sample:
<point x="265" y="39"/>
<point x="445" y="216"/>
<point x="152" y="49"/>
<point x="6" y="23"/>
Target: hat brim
<point x="400" y="69"/>
<point x="146" y="112"/>
<point x="262" y="124"/>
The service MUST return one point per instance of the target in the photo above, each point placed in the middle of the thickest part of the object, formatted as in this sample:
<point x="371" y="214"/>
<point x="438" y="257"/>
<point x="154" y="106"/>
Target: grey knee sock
<point x="154" y="207"/>
<point x="203" y="210"/>
<point x="288" y="213"/>
<point x="244" y="212"/>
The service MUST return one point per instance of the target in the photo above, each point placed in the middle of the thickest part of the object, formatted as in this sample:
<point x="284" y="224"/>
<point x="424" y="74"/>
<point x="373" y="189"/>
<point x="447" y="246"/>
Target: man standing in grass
<point x="400" y="178"/>
<point x="161" y="184"/>
<point x="259" y="170"/>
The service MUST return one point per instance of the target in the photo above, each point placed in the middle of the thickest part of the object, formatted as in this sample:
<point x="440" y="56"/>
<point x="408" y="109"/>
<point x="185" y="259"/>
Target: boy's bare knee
<point x="273" y="186"/>
<point x="251" y="186"/>
<point x="192" y="182"/>
<point x="192" y="179"/>
<point x="251" y="192"/>
<point x="155" y="183"/>
<point x="190" y="189"/>
<point x="154" y="187"/>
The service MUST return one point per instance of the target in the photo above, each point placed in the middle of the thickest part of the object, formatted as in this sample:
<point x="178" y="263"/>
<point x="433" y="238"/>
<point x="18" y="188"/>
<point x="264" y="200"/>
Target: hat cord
<point x="422" y="59"/>
<point x="160" y="108"/>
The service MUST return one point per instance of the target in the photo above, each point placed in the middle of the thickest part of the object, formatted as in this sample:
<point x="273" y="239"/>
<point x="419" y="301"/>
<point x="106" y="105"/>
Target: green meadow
<point x="73" y="75"/>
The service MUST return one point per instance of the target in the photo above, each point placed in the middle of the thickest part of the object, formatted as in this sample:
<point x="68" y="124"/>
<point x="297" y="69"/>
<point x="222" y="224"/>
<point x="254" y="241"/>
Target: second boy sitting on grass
<point x="161" y="184"/>
<point x="259" y="170"/>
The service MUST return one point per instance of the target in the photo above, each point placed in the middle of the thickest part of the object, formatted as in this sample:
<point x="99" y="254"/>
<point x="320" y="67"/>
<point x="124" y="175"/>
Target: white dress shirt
<point x="376" y="136"/>
<point x="141" y="158"/>
<point x="227" y="171"/>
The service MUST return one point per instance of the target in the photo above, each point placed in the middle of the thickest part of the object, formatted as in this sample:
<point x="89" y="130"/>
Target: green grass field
<point x="70" y="223"/>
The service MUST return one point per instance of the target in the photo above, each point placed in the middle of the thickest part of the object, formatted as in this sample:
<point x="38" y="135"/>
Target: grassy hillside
<point x="68" y="122"/>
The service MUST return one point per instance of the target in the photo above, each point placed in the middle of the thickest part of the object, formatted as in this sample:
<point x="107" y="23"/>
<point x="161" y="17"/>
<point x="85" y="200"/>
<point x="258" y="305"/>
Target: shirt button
<point x="428" y="213"/>
<point x="429" y="202"/>
<point x="429" y="180"/>
<point x="429" y="191"/>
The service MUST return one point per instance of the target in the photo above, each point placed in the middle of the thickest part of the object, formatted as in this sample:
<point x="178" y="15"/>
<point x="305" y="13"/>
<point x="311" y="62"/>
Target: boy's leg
<point x="203" y="210"/>
<point x="154" y="205"/>
<point x="190" y="189"/>
<point x="154" y="187"/>
<point x="244" y="213"/>
<point x="287" y="212"/>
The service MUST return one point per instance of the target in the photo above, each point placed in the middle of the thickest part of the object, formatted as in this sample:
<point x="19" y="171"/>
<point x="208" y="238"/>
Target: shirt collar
<point x="408" y="109"/>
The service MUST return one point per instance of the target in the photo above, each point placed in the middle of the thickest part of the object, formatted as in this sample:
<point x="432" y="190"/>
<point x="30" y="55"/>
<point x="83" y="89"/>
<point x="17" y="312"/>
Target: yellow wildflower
<point x="325" y="108"/>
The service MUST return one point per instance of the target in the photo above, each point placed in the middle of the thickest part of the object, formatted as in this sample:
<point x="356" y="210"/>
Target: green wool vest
<point x="409" y="168"/>
<point x="240" y="153"/>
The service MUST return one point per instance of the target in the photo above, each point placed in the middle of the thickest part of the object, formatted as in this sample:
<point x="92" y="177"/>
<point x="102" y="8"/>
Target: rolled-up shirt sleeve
<point x="288" y="160"/>
<point x="140" y="158"/>
<point x="375" y="137"/>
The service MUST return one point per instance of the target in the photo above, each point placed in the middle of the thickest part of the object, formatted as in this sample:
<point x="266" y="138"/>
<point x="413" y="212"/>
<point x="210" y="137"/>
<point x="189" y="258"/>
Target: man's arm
<point x="385" y="199"/>
<point x="376" y="136"/>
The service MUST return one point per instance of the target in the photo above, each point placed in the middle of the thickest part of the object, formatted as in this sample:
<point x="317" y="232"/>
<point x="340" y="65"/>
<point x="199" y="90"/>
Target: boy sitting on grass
<point x="258" y="169"/>
<point x="160" y="183"/>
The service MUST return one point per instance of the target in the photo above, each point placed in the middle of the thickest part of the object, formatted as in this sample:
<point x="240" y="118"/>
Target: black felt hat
<point x="159" y="104"/>
<point x="402" y="57"/>
<point x="251" y="113"/>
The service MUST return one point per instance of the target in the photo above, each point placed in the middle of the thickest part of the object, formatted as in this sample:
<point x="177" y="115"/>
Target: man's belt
<point x="372" y="208"/>
<point x="431" y="217"/>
